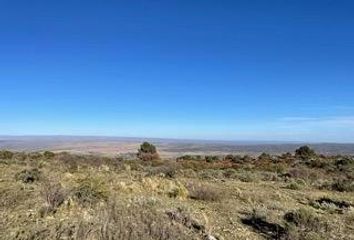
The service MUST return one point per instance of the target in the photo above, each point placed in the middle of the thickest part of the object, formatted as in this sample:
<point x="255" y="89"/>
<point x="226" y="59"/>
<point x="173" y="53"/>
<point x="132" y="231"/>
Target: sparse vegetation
<point x="72" y="196"/>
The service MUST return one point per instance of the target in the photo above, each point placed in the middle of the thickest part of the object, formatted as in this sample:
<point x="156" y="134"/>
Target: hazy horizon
<point x="147" y="138"/>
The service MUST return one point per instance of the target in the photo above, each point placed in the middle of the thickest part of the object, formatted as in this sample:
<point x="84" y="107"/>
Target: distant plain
<point x="167" y="147"/>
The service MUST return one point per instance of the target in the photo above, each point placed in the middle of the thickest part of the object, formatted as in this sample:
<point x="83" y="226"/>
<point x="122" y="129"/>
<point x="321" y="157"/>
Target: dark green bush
<point x="305" y="152"/>
<point x="147" y="152"/>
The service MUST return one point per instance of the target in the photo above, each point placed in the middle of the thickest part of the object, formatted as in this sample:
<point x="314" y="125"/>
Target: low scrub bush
<point x="134" y="222"/>
<point x="211" y="174"/>
<point x="339" y="185"/>
<point x="68" y="161"/>
<point x="169" y="170"/>
<point x="6" y="155"/>
<point x="294" y="186"/>
<point x="304" y="224"/>
<point x="331" y="205"/>
<point x="190" y="157"/>
<point x="258" y="221"/>
<point x="28" y="175"/>
<point x="90" y="191"/>
<point x="247" y="176"/>
<point x="230" y="173"/>
<point x="264" y="157"/>
<point x="210" y="158"/>
<point x="189" y="173"/>
<point x="234" y="158"/>
<point x="48" y="154"/>
<point x="35" y="155"/>
<point x="343" y="185"/>
<point x="203" y="192"/>
<point x="183" y="217"/>
<point x="54" y="195"/>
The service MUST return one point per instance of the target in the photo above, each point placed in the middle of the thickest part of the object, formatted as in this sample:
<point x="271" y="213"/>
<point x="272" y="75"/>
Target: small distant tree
<point x="305" y="152"/>
<point x="147" y="152"/>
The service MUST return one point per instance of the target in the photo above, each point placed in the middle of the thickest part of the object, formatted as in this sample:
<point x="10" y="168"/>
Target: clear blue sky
<point x="233" y="70"/>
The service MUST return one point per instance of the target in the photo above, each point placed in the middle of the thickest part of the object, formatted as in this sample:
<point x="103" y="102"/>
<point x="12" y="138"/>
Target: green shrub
<point x="211" y="174"/>
<point x="147" y="152"/>
<point x="230" y="173"/>
<point x="305" y="152"/>
<point x="28" y="175"/>
<point x="247" y="176"/>
<point x="294" y="186"/>
<point x="90" y="191"/>
<point x="69" y="162"/>
<point x="304" y="224"/>
<point x="5" y="154"/>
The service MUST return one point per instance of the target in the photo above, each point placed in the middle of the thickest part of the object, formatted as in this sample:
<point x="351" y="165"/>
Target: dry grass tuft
<point x="203" y="192"/>
<point x="54" y="195"/>
<point x="90" y="191"/>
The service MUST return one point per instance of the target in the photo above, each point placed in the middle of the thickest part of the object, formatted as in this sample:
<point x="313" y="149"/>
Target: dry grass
<point x="203" y="192"/>
<point x="117" y="199"/>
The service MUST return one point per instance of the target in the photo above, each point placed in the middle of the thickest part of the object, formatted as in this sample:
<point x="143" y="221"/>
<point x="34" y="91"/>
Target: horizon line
<point x="175" y="139"/>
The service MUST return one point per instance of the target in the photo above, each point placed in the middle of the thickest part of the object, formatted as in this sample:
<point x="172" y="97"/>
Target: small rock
<point x="210" y="237"/>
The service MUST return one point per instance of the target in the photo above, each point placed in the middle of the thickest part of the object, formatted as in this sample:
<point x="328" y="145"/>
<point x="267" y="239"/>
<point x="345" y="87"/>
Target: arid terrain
<point x="300" y="195"/>
<point x="167" y="147"/>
